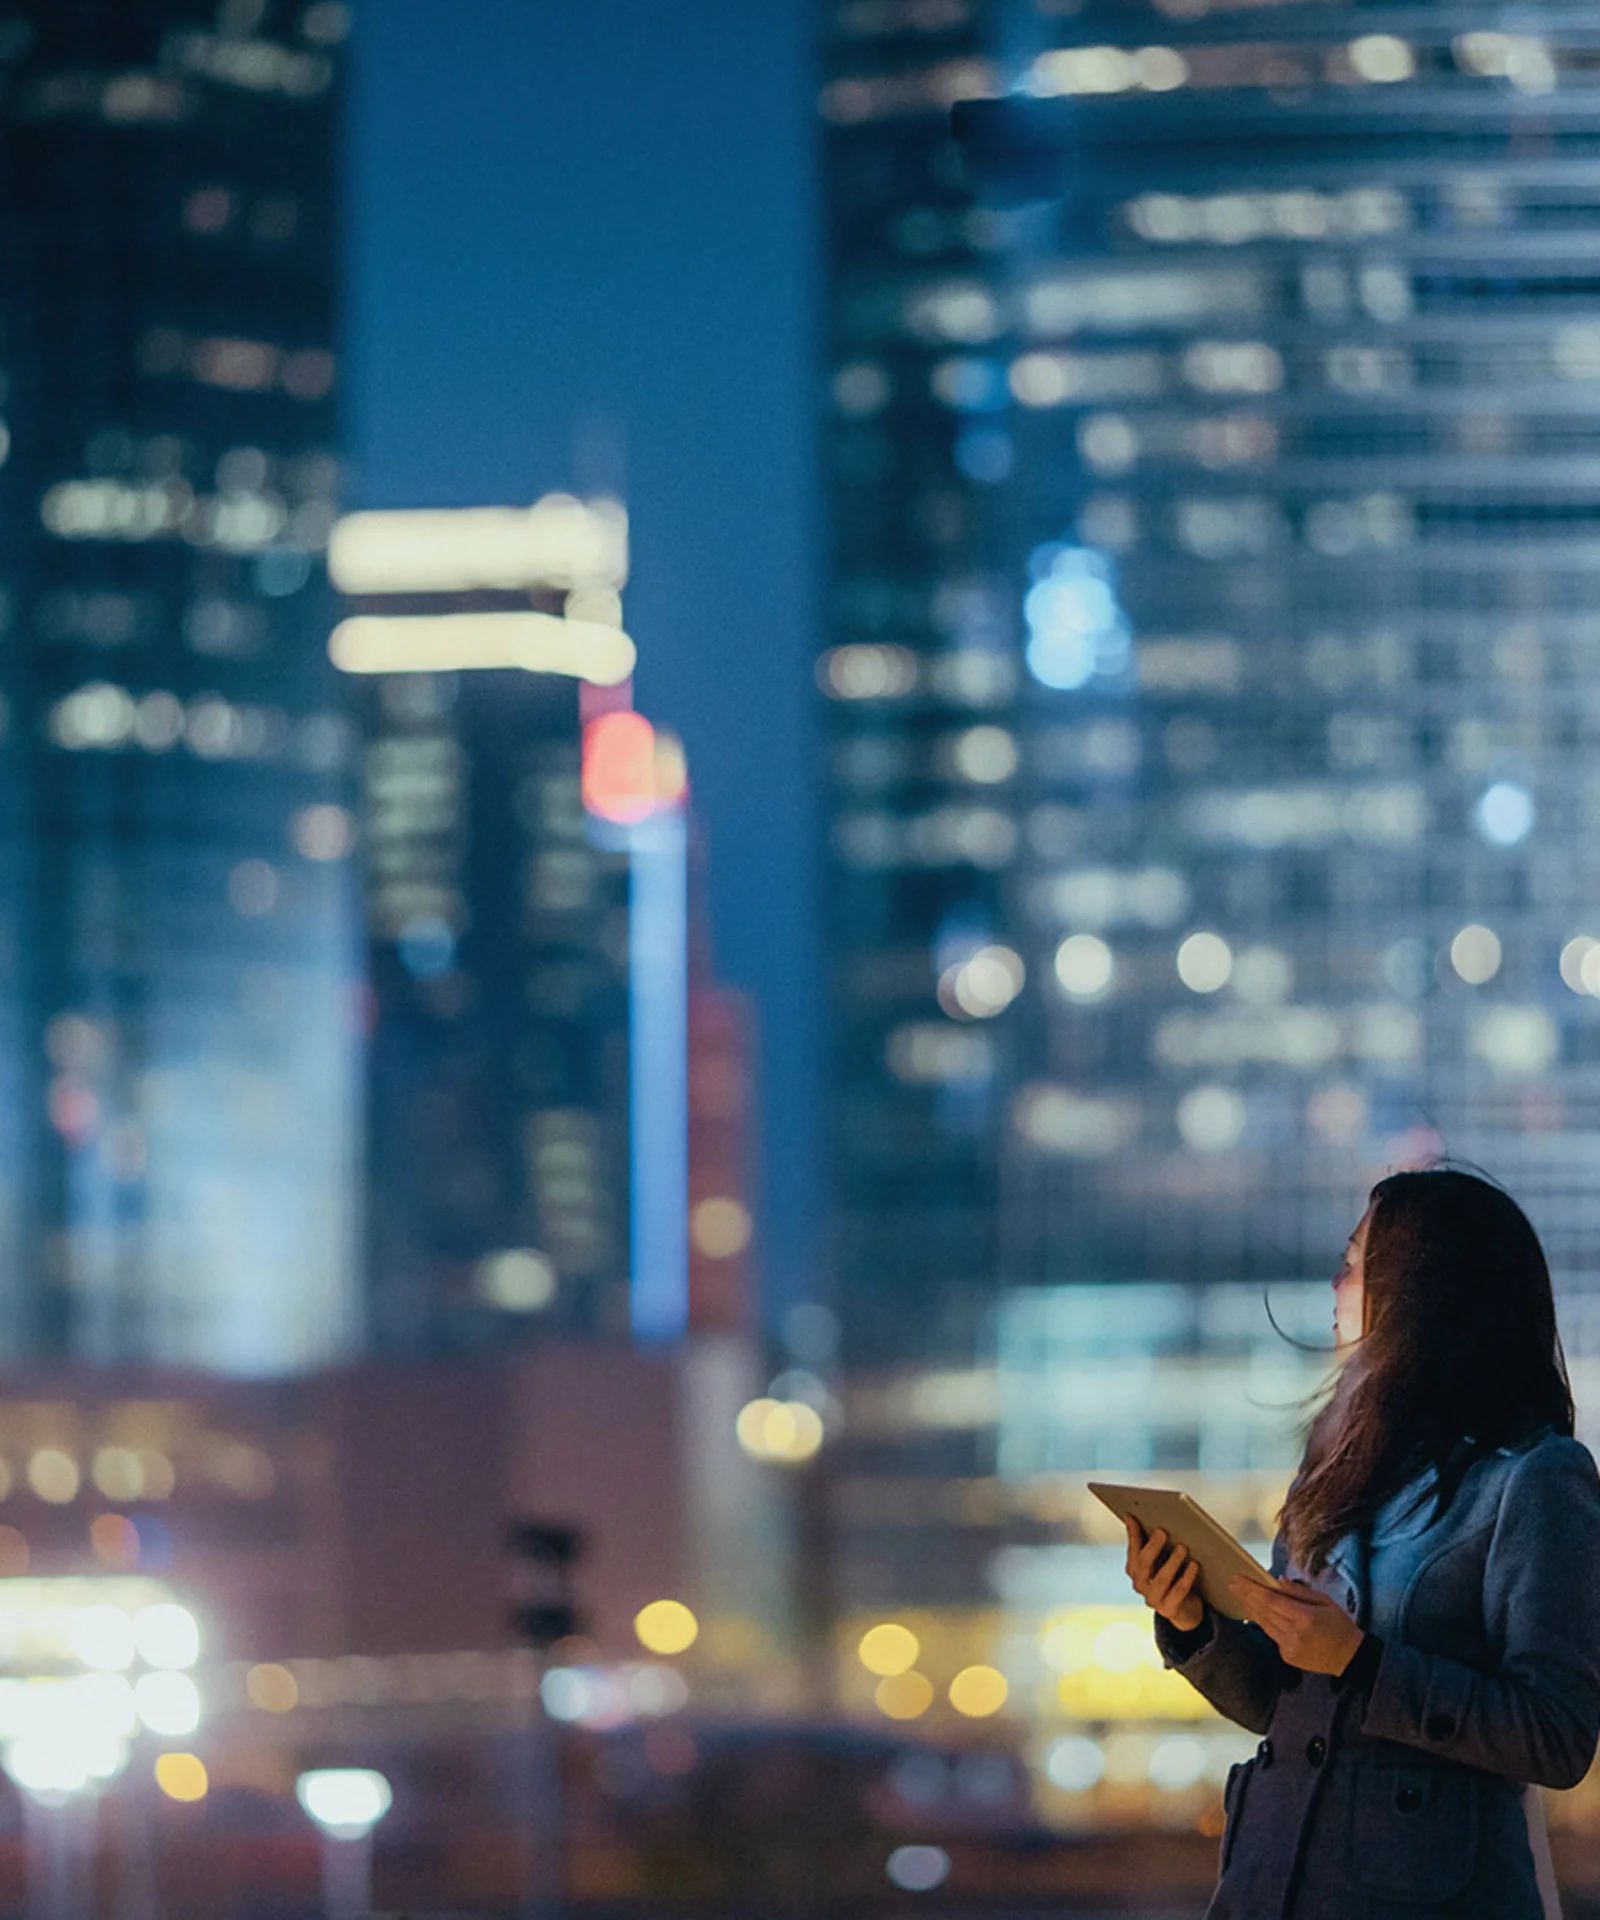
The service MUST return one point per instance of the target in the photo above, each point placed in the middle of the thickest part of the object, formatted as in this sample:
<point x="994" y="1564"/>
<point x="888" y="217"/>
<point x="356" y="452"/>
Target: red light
<point x="74" y="1111"/>
<point x="619" y="767"/>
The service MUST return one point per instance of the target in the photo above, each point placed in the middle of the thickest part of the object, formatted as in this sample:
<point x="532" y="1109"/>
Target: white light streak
<point x="465" y="642"/>
<point x="558" y="542"/>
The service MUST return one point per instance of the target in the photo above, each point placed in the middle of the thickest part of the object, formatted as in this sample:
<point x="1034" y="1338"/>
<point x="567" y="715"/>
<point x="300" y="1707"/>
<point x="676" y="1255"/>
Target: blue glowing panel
<point x="659" y="1065"/>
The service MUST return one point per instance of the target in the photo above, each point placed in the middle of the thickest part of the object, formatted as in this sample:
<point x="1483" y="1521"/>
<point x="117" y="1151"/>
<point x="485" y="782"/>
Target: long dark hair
<point x="1460" y="1354"/>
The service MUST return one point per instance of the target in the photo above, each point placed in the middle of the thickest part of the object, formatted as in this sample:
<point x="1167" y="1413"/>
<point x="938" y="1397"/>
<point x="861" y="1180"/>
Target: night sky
<point x="582" y="245"/>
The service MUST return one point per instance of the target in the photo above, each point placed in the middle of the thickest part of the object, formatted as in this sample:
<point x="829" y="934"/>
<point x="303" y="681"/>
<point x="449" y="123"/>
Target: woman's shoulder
<point x="1548" y="1458"/>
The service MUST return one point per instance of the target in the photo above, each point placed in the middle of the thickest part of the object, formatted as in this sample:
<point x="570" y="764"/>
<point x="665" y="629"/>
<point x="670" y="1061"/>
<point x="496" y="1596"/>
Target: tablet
<point x="1187" y="1522"/>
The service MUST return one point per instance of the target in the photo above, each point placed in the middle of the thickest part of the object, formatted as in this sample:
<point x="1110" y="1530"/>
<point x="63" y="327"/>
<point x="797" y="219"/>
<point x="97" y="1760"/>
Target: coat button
<point x="1439" y="1726"/>
<point x="1264" y="1754"/>
<point x="1316" y="1750"/>
<point x="1408" y="1799"/>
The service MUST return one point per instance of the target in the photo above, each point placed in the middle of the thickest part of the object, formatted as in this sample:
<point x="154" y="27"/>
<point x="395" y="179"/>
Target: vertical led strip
<point x="658" y="1018"/>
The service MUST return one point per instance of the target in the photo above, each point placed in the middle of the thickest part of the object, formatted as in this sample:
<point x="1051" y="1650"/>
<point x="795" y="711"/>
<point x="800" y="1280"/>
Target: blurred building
<point x="176" y="1041"/>
<point x="497" y="1113"/>
<point x="367" y="1511"/>
<point x="722" y="1106"/>
<point x="723" y="1102"/>
<point x="560" y="1093"/>
<point x="345" y="1545"/>
<point x="1206" y="704"/>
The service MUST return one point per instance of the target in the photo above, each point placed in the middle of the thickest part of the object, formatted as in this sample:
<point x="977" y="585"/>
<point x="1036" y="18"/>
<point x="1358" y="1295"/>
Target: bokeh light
<point x="168" y="1635"/>
<point x="918" y="1868"/>
<point x="666" y="1627"/>
<point x="53" y="1476"/>
<point x="1475" y="953"/>
<point x="1074" y="1762"/>
<point x="182" y="1776"/>
<point x="977" y="1692"/>
<point x="346" y="1801"/>
<point x="272" y="1688"/>
<point x="785" y="1431"/>
<point x="904" y="1696"/>
<point x="1505" y="813"/>
<point x="1084" y="966"/>
<point x="888" y="1649"/>
<point x="1205" y="961"/>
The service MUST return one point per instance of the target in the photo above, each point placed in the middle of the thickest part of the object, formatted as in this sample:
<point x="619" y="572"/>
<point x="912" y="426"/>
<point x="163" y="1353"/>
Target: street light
<point x="346" y="1803"/>
<point x="61" y="1767"/>
<point x="89" y="1664"/>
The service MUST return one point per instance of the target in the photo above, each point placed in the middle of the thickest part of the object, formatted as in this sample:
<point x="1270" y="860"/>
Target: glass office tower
<point x="497" y="1125"/>
<point x="178" y="1009"/>
<point x="498" y="930"/>
<point x="1210" y="689"/>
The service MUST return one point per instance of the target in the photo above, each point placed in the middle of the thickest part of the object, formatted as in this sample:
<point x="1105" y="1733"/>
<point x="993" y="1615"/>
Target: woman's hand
<point x="1312" y="1632"/>
<point x="1164" y="1580"/>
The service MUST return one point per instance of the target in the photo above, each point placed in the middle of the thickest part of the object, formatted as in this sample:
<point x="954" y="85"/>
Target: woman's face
<point x="1350" y="1286"/>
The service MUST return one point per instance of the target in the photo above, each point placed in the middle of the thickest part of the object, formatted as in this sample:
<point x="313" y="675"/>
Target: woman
<point x="1426" y="1650"/>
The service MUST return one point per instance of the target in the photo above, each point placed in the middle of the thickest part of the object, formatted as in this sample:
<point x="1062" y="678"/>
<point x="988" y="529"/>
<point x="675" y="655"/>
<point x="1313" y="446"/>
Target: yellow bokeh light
<point x="759" y="1421"/>
<point x="903" y="1696"/>
<point x="805" y="1430"/>
<point x="1111" y="1669"/>
<point x="1122" y="1645"/>
<point x="53" y="1476"/>
<point x="889" y="1649"/>
<point x="1068" y="1645"/>
<point x="978" y="1691"/>
<point x="719" y="1227"/>
<point x="666" y="1626"/>
<point x="182" y="1776"/>
<point x="117" y="1473"/>
<point x="786" y="1430"/>
<point x="1140" y="1695"/>
<point x="272" y="1688"/>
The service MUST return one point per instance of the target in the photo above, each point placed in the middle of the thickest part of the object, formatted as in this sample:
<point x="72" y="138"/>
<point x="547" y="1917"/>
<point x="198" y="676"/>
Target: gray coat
<point x="1411" y="1800"/>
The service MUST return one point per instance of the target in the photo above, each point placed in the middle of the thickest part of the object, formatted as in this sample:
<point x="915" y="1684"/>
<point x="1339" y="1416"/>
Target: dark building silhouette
<point x="497" y="1131"/>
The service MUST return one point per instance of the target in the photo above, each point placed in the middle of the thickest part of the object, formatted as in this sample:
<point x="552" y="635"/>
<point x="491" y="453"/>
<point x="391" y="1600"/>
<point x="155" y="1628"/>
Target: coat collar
<point x="1409" y="1511"/>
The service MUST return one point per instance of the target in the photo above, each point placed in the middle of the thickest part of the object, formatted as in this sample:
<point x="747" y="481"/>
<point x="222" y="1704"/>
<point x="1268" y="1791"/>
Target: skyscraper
<point x="1208" y="691"/>
<point x="177" y="1023"/>
<point x="498" y="928"/>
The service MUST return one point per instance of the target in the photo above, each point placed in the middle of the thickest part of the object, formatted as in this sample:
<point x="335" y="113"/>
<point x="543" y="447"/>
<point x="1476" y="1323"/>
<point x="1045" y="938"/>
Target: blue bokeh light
<point x="427" y="947"/>
<point x="984" y="454"/>
<point x="1076" y="627"/>
<point x="1505" y="813"/>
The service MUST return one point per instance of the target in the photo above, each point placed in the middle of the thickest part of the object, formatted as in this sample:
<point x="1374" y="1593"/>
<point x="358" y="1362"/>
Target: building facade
<point x="479" y="641"/>
<point x="1208" y="711"/>
<point x="498" y="1082"/>
<point x="177" y="1012"/>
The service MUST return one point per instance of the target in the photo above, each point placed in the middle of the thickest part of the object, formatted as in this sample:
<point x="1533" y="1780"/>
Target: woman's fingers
<point x="1135" y="1542"/>
<point x="1166" y="1574"/>
<point x="1150" y="1553"/>
<point x="1275" y="1601"/>
<point x="1163" y="1573"/>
